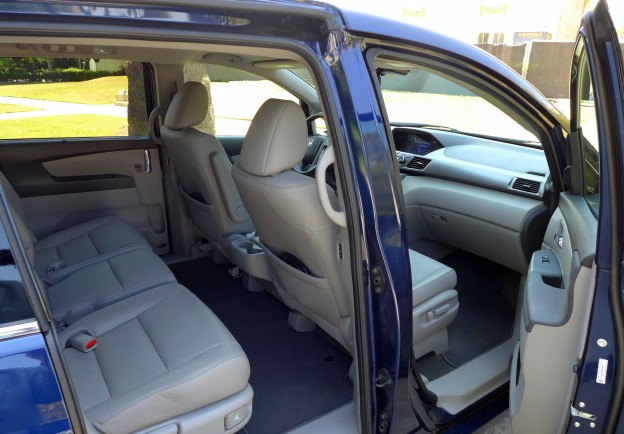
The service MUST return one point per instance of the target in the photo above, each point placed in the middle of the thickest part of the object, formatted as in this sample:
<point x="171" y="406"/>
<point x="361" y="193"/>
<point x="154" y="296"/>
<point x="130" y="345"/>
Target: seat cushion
<point x="160" y="353"/>
<point x="107" y="281"/>
<point x="86" y="241"/>
<point x="429" y="277"/>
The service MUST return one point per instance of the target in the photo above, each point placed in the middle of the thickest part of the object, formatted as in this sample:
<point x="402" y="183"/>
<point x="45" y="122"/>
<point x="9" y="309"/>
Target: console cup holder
<point x="249" y="255"/>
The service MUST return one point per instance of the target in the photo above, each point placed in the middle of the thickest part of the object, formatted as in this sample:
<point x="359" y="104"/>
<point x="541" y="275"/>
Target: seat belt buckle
<point x="83" y="342"/>
<point x="55" y="266"/>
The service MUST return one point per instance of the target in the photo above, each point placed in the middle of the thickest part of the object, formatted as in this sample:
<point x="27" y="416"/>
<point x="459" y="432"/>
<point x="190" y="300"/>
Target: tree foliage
<point x="31" y="69"/>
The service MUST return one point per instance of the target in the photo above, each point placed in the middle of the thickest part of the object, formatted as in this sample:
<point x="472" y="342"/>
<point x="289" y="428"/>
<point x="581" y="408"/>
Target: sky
<point x="617" y="12"/>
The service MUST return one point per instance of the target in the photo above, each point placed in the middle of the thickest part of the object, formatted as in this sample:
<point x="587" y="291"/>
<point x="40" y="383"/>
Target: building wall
<point x="105" y="65"/>
<point x="545" y="64"/>
<point x="570" y="19"/>
<point x="466" y="19"/>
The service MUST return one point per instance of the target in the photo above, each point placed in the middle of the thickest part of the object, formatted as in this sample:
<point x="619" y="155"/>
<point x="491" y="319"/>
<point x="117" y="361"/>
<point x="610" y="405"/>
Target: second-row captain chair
<point x="299" y="238"/>
<point x="302" y="241"/>
<point x="204" y="170"/>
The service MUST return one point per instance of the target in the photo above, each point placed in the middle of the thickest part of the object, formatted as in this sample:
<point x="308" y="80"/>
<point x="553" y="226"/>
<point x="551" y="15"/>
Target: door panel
<point x="69" y="186"/>
<point x="556" y="310"/>
<point x="575" y="335"/>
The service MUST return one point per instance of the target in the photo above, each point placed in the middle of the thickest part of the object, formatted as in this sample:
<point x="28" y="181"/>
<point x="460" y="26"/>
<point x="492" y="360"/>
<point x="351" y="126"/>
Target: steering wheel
<point x="317" y="143"/>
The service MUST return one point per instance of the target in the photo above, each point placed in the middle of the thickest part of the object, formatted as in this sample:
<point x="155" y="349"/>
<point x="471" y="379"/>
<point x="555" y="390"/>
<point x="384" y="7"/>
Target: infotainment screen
<point x="417" y="146"/>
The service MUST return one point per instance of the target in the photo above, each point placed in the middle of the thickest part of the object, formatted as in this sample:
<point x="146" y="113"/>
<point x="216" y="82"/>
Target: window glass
<point x="304" y="74"/>
<point x="588" y="122"/>
<point x="235" y="97"/>
<point x="14" y="304"/>
<point x="67" y="97"/>
<point x="417" y="96"/>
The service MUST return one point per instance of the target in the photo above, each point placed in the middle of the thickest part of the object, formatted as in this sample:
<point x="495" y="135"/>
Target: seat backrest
<point x="203" y="167"/>
<point x="286" y="210"/>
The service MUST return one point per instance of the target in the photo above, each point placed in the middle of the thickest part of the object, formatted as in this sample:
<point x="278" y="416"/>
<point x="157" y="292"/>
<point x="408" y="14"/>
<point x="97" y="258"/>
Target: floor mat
<point x="295" y="376"/>
<point x="433" y="367"/>
<point x="485" y="317"/>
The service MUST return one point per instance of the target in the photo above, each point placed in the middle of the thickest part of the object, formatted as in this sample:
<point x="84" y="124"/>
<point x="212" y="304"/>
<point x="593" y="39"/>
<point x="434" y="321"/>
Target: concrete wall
<point x="547" y="67"/>
<point x="545" y="64"/>
<point x="106" y="65"/>
<point x="512" y="55"/>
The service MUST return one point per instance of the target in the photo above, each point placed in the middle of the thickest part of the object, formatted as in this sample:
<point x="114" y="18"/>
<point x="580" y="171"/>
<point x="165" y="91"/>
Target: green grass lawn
<point x="98" y="91"/>
<point x="12" y="108"/>
<point x="63" y="126"/>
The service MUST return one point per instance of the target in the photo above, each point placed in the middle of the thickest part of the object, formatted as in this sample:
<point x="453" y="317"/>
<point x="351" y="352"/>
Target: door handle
<point x="147" y="161"/>
<point x="328" y="158"/>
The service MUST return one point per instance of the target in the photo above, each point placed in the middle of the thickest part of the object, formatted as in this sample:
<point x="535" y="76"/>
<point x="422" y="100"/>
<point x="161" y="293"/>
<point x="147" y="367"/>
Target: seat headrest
<point x="188" y="107"/>
<point x="276" y="140"/>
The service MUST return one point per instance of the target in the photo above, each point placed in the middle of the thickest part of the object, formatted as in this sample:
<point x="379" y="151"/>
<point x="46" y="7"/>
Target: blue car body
<point x="30" y="397"/>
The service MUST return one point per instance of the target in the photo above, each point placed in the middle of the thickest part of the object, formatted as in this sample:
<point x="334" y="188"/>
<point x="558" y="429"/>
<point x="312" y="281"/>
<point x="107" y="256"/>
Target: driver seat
<point x="300" y="241"/>
<point x="204" y="170"/>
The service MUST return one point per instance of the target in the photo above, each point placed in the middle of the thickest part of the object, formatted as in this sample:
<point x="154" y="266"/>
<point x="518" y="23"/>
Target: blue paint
<point x="30" y="399"/>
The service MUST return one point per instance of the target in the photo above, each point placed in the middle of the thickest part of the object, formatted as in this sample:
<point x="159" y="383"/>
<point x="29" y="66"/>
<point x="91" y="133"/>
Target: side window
<point x="415" y="95"/>
<point x="235" y="97"/>
<point x="51" y="98"/>
<point x="14" y="304"/>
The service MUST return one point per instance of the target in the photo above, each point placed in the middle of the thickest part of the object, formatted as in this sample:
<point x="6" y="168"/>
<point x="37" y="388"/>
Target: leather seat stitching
<point x="171" y="386"/>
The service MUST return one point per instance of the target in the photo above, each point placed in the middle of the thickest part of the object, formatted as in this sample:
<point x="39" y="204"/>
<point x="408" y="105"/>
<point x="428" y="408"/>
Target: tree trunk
<point x="138" y="124"/>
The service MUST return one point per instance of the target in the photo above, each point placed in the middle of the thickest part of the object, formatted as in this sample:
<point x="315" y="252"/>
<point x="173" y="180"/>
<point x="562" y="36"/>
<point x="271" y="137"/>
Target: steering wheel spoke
<point x="317" y="143"/>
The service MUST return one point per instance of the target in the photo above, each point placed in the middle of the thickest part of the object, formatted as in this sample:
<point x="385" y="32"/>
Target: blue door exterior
<point x="605" y="339"/>
<point x="30" y="398"/>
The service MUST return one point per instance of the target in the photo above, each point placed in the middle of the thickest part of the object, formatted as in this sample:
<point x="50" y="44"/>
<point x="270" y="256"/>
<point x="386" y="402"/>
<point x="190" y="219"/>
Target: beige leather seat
<point x="204" y="170"/>
<point x="130" y="344"/>
<point x="98" y="269"/>
<point x="153" y="372"/>
<point x="435" y="303"/>
<point x="299" y="239"/>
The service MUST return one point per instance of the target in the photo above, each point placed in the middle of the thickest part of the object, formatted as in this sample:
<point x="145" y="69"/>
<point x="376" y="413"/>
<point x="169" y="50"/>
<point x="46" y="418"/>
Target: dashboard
<point x="480" y="195"/>
<point x="420" y="143"/>
<point x="472" y="160"/>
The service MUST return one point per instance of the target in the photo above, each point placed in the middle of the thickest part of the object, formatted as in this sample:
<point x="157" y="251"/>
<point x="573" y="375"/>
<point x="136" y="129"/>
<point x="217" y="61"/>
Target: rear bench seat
<point x="60" y="253"/>
<point x="162" y="358"/>
<point x="163" y="361"/>
<point x="88" y="266"/>
<point x="97" y="281"/>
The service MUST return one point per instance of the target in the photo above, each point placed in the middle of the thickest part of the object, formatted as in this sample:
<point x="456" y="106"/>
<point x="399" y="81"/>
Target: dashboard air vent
<point x="418" y="163"/>
<point x="537" y="174"/>
<point x="526" y="185"/>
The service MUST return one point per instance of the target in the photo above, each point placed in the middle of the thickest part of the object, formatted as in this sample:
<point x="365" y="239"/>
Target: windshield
<point x="303" y="74"/>
<point x="418" y="97"/>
